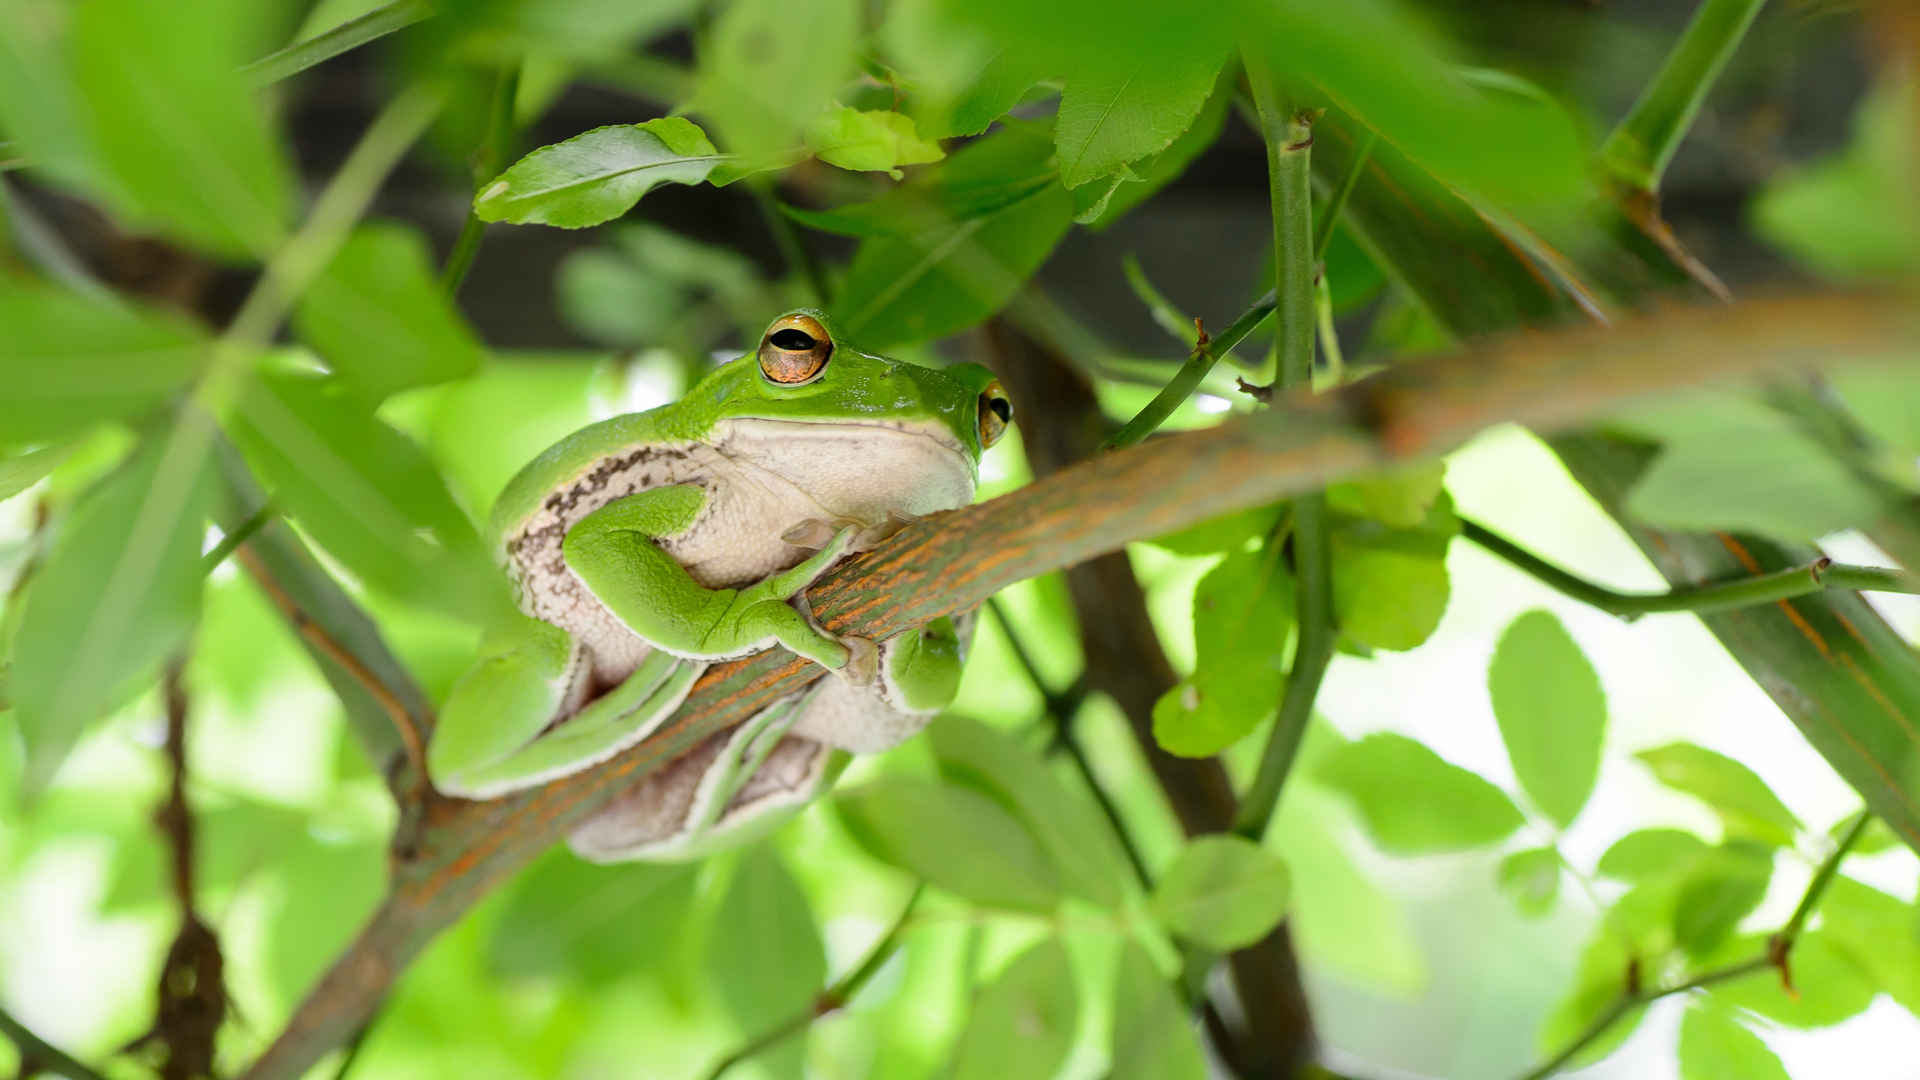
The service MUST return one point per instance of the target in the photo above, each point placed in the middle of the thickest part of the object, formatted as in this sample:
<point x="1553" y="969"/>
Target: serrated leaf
<point x="955" y="837"/>
<point x="1242" y="618"/>
<point x="1223" y="892"/>
<point x="366" y="493"/>
<point x="1722" y="888"/>
<point x="1413" y="801"/>
<point x="869" y="140"/>
<point x="751" y="39"/>
<point x="765" y="954"/>
<point x="1153" y="1036"/>
<point x="177" y="125"/>
<point x="1531" y="879"/>
<point x="1109" y="118"/>
<point x="1144" y="179"/>
<point x="1651" y="854"/>
<point x="1552" y="713"/>
<point x="73" y="360"/>
<point x="1078" y="841"/>
<point x="1744" y="801"/>
<point x="378" y="316"/>
<point x="116" y="596"/>
<point x="1023" y="1023"/>
<point x="598" y="175"/>
<point x="563" y="916"/>
<point x="1716" y="1046"/>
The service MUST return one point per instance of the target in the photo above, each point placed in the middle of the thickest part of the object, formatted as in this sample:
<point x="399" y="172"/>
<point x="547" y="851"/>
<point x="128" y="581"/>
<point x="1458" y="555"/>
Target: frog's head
<point x="802" y="370"/>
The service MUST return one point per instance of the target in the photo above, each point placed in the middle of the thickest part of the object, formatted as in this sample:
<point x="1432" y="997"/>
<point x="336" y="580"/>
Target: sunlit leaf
<point x="1390" y="585"/>
<point x="1744" y="801"/>
<point x="1023" y="1023"/>
<point x="1223" y="892"/>
<point x="379" y="318"/>
<point x="1722" y="888"/>
<point x="765" y="75"/>
<point x="598" y="175"/>
<point x="955" y="837"/>
<point x="870" y="140"/>
<point x="1531" y="879"/>
<point x="1230" y="532"/>
<point x="1144" y="179"/>
<point x="1598" y="985"/>
<point x="1552" y="713"/>
<point x="1341" y="918"/>
<point x="599" y="924"/>
<point x="1829" y="984"/>
<point x="1879" y="933"/>
<point x="1399" y="497"/>
<point x="1413" y="801"/>
<point x="40" y="107"/>
<point x="1153" y="1035"/>
<point x="118" y="593"/>
<point x="1652" y="853"/>
<point x="1242" y="618"/>
<point x="22" y="471"/>
<point x="1109" y="118"/>
<point x="1716" y="1046"/>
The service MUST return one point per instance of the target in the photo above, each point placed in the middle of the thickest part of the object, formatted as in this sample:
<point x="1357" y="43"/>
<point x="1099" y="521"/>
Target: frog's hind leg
<point x="920" y="674"/>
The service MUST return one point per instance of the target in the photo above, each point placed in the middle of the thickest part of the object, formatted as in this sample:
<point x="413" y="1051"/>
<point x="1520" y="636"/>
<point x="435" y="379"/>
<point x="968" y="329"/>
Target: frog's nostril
<point x="795" y="340"/>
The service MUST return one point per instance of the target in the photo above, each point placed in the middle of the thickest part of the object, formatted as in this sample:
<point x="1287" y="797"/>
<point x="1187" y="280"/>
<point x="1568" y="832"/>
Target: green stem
<point x="1330" y="214"/>
<point x="1779" y="947"/>
<point x="1188" y="378"/>
<point x="1313" y="610"/>
<point x="346" y="37"/>
<point x="230" y="542"/>
<point x="1639" y="149"/>
<point x="829" y="999"/>
<point x="1288" y="129"/>
<point x="792" y="248"/>
<point x="1700" y="599"/>
<point x="489" y="159"/>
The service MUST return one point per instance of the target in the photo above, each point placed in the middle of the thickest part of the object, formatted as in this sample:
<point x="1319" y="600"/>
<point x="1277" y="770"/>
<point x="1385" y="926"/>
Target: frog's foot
<point x="816" y="533"/>
<point x="863" y="661"/>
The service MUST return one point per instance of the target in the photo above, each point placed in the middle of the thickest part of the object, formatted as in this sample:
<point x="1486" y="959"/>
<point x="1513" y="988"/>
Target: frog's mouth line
<point x="931" y="430"/>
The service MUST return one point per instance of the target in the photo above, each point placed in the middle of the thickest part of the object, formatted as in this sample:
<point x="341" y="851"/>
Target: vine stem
<point x="1779" y="947"/>
<point x="1713" y="596"/>
<point x="1639" y="149"/>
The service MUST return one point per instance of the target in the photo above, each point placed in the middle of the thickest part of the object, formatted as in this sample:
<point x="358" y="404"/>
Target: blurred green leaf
<point x="1112" y="118"/>
<point x="40" y="107"/>
<point x="1875" y="837"/>
<point x="1242" y="618"/>
<point x="1746" y="805"/>
<point x="1531" y="879"/>
<point x="765" y="954"/>
<point x="327" y="892"/>
<point x="484" y="429"/>
<point x="955" y="837"/>
<point x="1829" y="985"/>
<point x="1880" y="933"/>
<point x="1598" y="984"/>
<point x="1552" y="713"/>
<point x="179" y="127"/>
<point x="1400" y="498"/>
<point x="1649" y="854"/>
<point x="1413" y="801"/>
<point x="869" y="140"/>
<point x="379" y="317"/>
<point x="1075" y="837"/>
<point x="582" y="29"/>
<point x="564" y="917"/>
<point x="1228" y="533"/>
<point x="949" y="271"/>
<point x="598" y="175"/>
<point x="1223" y="892"/>
<point x="1342" y="919"/>
<point x="116" y="596"/>
<point x="1722" y="888"/>
<point x="73" y="360"/>
<point x="1390" y="586"/>
<point x="1023" y="1023"/>
<point x="1153" y="1036"/>
<point x="1714" y="1045"/>
<point x="765" y="74"/>
<point x="22" y="471"/>
<point x="609" y="299"/>
<point x="366" y="493"/>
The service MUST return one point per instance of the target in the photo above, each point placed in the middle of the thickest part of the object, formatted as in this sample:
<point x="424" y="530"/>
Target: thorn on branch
<point x="1261" y="394"/>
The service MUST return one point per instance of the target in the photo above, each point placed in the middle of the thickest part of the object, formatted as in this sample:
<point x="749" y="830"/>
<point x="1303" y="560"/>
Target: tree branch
<point x="953" y="561"/>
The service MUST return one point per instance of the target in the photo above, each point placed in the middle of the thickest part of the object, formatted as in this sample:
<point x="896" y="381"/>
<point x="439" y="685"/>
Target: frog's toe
<point x="863" y="661"/>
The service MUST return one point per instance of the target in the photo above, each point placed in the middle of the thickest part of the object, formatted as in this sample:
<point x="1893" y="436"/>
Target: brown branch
<point x="953" y="561"/>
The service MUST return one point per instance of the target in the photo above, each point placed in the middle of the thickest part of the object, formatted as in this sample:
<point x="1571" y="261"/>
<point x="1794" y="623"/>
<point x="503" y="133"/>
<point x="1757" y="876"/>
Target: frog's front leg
<point x="614" y="550"/>
<point x="492" y="736"/>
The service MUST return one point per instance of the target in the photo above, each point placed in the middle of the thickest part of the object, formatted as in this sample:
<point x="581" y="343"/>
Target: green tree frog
<point x="646" y="546"/>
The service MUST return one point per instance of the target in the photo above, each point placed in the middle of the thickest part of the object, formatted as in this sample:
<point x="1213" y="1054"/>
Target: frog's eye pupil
<point x="795" y="350"/>
<point x="1001" y="408"/>
<point x="791" y="339"/>
<point x="996" y="412"/>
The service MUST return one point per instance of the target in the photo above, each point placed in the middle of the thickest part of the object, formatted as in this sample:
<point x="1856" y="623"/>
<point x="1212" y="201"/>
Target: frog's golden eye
<point x="996" y="412"/>
<point x="795" y="350"/>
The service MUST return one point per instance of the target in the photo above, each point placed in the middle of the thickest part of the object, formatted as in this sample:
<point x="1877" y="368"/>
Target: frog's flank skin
<point x="647" y="545"/>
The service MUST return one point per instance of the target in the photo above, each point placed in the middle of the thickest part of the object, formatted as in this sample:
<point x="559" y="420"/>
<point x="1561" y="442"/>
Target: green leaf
<point x="1223" y="892"/>
<point x="1079" y="842"/>
<point x="327" y="891"/>
<point x="74" y="360"/>
<point x="1109" y="118"/>
<point x="40" y="107"/>
<point x="564" y="917"/>
<point x="1651" y="854"/>
<point x="1153" y="1036"/>
<point x="765" y="74"/>
<point x="598" y="175"/>
<point x="378" y="315"/>
<point x="1222" y="534"/>
<point x="116" y="596"/>
<point x="765" y="954"/>
<point x="870" y="140"/>
<point x="1002" y="82"/>
<point x="367" y="494"/>
<point x="1343" y="920"/>
<point x="1723" y="887"/>
<point x="580" y="29"/>
<point x="1829" y="984"/>
<point x="946" y="275"/>
<point x="955" y="837"/>
<point x="1413" y="801"/>
<point x="1552" y="713"/>
<point x="1716" y="1046"/>
<point x="609" y="299"/>
<point x="486" y="428"/>
<point x="1023" y="1023"/>
<point x="177" y="125"/>
<point x="1390" y="586"/>
<point x="1598" y="984"/>
<point x="1531" y="879"/>
<point x="1242" y="617"/>
<point x="1880" y="933"/>
<point x="1399" y="497"/>
<point x="1144" y="179"/>
<point x="1746" y="805"/>
<point x="22" y="471"/>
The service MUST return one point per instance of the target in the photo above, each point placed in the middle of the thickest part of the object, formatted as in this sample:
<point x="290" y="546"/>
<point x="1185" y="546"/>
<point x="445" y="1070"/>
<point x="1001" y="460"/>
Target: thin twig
<point x="38" y="1055"/>
<point x="489" y="158"/>
<point x="192" y="994"/>
<point x="1713" y="596"/>
<point x="230" y="542"/>
<point x="829" y="999"/>
<point x="317" y="636"/>
<point x="1779" y="947"/>
<point x="349" y="35"/>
